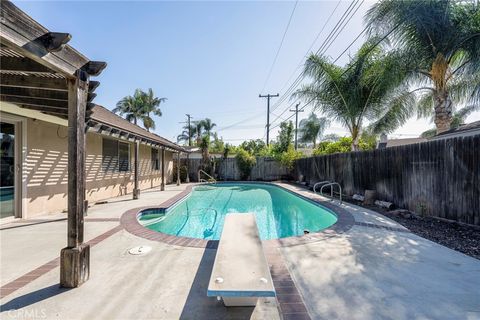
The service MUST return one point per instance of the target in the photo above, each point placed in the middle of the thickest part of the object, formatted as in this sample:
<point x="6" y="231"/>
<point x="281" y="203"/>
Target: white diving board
<point x="240" y="272"/>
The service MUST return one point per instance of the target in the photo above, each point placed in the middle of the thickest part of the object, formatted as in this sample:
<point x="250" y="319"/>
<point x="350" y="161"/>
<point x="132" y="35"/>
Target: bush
<point x="345" y="145"/>
<point x="289" y="157"/>
<point x="183" y="173"/>
<point x="246" y="162"/>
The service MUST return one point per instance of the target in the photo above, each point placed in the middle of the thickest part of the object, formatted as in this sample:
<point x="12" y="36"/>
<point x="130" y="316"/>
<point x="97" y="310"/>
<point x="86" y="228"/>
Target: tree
<point x="226" y="150"/>
<point x="138" y="108"/>
<point x="255" y="147"/>
<point x="198" y="131"/>
<point x="285" y="137"/>
<point x="312" y="128"/>
<point x="187" y="134"/>
<point x="208" y="126"/>
<point x="440" y="41"/>
<point x="152" y="105"/>
<point x="204" y="146"/>
<point x="217" y="144"/>
<point x="368" y="88"/>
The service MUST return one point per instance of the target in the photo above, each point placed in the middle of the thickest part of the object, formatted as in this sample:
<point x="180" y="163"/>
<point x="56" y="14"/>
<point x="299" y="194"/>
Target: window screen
<point x="109" y="155"/>
<point x="123" y="156"/>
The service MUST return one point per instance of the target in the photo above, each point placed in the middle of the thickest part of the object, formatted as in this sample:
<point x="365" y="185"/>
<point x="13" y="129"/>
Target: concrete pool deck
<point x="368" y="272"/>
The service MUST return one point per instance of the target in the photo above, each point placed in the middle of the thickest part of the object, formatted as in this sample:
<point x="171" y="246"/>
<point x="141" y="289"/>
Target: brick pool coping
<point x="129" y="221"/>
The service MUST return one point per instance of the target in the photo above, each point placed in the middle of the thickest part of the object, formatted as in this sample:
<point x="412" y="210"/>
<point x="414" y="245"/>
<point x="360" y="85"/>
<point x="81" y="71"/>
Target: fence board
<point x="439" y="178"/>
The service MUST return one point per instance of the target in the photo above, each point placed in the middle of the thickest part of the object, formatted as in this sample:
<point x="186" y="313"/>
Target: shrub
<point x="288" y="157"/>
<point x="344" y="145"/>
<point x="246" y="162"/>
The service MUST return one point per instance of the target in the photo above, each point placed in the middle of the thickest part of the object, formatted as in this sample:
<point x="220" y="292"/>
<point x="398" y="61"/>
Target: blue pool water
<point x="279" y="213"/>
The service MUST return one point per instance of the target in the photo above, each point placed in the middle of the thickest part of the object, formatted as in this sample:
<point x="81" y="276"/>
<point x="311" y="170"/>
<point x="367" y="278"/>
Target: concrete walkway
<point x="366" y="273"/>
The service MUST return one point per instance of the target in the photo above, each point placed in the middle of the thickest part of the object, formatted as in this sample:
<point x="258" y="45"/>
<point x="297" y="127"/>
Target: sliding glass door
<point x="7" y="170"/>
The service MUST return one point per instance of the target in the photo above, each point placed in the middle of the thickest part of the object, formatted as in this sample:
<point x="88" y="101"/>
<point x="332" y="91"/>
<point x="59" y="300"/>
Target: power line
<point x="280" y="46"/>
<point x="299" y="64"/>
<point x="239" y="122"/>
<point x="335" y="29"/>
<point x="339" y="27"/>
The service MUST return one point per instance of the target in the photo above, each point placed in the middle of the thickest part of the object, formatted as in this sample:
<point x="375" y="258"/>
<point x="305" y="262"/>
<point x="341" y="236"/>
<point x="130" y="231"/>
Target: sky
<point x="209" y="59"/>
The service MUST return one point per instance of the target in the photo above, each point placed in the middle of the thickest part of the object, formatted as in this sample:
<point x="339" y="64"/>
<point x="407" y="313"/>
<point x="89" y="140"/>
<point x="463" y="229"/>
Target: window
<point x="123" y="156"/>
<point x="115" y="155"/>
<point x="155" y="160"/>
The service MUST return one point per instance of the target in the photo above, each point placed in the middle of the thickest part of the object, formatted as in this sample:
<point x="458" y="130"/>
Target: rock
<point x="358" y="197"/>
<point x="370" y="196"/>
<point x="402" y="213"/>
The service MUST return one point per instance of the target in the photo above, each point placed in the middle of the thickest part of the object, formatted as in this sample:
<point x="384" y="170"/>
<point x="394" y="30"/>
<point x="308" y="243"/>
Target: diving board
<point x="240" y="272"/>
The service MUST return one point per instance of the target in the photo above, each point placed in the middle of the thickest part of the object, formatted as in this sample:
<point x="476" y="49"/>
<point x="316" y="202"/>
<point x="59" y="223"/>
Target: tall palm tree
<point x="366" y="89"/>
<point x="132" y="107"/>
<point x="312" y="128"/>
<point x="441" y="44"/>
<point x="208" y="126"/>
<point x="139" y="106"/>
<point x="152" y="105"/>
<point x="198" y="131"/>
<point x="188" y="133"/>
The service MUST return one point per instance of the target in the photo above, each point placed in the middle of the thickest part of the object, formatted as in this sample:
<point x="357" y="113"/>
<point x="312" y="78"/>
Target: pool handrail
<point x="331" y="185"/>
<point x="212" y="179"/>
<point x="320" y="182"/>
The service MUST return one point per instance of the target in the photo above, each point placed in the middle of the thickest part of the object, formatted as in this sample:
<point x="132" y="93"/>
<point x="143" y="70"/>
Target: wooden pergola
<point x="40" y="71"/>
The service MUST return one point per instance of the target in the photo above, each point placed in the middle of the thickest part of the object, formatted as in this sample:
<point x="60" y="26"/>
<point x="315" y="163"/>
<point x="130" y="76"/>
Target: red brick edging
<point x="129" y="221"/>
<point x="289" y="299"/>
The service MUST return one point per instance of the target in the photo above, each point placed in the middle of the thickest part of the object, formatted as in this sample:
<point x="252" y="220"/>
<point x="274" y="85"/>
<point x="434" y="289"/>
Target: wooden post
<point x="162" y="186"/>
<point x="178" y="168"/>
<point x="75" y="258"/>
<point x="136" y="190"/>
<point x="187" y="180"/>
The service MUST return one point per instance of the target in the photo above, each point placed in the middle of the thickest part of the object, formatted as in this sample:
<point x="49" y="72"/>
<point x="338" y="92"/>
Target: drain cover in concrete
<point x="140" y="250"/>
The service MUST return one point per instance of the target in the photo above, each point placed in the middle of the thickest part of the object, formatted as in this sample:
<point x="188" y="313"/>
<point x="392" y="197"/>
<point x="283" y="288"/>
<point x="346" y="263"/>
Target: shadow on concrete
<point x="199" y="306"/>
<point x="33" y="297"/>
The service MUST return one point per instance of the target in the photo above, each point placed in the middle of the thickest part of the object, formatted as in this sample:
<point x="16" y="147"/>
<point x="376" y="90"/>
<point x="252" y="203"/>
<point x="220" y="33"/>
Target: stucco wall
<point x="47" y="176"/>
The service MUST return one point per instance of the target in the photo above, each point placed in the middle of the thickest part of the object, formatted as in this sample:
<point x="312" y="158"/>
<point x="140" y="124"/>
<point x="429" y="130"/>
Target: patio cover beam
<point x="34" y="41"/>
<point x="44" y="83"/>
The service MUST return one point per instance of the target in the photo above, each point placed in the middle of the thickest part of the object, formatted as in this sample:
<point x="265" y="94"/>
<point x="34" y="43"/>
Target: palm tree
<point x="132" y="107"/>
<point x="139" y="106"/>
<point x="441" y="47"/>
<point x="152" y="105"/>
<point x="366" y="89"/>
<point x="312" y="128"/>
<point x="458" y="119"/>
<point x="204" y="146"/>
<point x="198" y="131"/>
<point x="188" y="133"/>
<point x="208" y="126"/>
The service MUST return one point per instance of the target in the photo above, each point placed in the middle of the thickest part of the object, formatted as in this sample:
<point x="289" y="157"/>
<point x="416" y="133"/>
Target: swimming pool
<point x="279" y="213"/>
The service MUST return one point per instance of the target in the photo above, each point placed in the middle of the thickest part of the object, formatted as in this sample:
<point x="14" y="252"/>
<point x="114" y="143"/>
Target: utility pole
<point x="296" y="122"/>
<point x="268" y="96"/>
<point x="189" y="131"/>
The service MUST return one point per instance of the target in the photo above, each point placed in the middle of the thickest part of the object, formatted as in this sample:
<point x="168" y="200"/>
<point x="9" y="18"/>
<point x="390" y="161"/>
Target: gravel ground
<point x="458" y="237"/>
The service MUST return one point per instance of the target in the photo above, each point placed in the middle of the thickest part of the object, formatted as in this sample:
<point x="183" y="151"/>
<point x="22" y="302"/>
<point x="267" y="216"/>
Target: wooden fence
<point x="438" y="178"/>
<point x="266" y="169"/>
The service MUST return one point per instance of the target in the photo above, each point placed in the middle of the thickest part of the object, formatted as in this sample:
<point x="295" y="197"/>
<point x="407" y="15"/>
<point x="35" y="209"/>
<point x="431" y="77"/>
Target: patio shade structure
<point x="40" y="71"/>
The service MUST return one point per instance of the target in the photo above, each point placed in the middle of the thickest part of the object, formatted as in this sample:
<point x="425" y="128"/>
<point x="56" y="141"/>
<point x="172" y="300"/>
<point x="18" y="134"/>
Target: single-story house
<point x="35" y="145"/>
